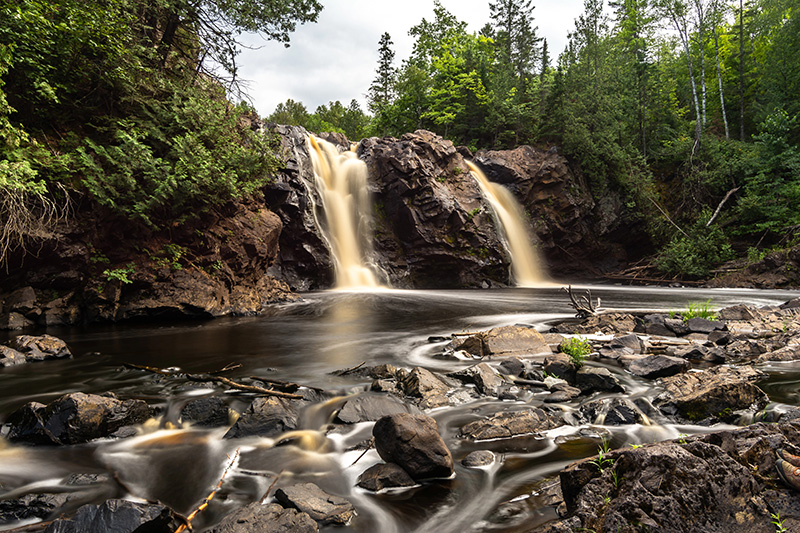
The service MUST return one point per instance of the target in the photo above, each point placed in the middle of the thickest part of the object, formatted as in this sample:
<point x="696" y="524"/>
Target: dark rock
<point x="616" y="353"/>
<point x="472" y="345"/>
<point x="656" y="325"/>
<point x="703" y="325"/>
<point x="632" y="341"/>
<point x="657" y="366"/>
<point x="716" y="393"/>
<point x="22" y="301"/>
<point x="369" y="407"/>
<point x="266" y="417"/>
<point x="118" y="516"/>
<point x="483" y="376"/>
<point x="605" y="323"/>
<point x="413" y="442"/>
<point x="738" y="312"/>
<point x="10" y="357"/>
<point x="715" y="355"/>
<point x="610" y="412"/>
<point x="562" y="392"/>
<point x="590" y="379"/>
<point x="478" y="458"/>
<point x="560" y="365"/>
<point x="689" y="351"/>
<point x="40" y="348"/>
<point x="33" y="506"/>
<point x="323" y="507"/>
<point x="386" y="385"/>
<point x="510" y="424"/>
<point x="270" y="518"/>
<point x="719" y="337"/>
<point x="423" y="384"/>
<point x="206" y="412"/>
<point x="74" y="418"/>
<point x="794" y="303"/>
<point x="515" y="340"/>
<point x="677" y="326"/>
<point x="384" y="476"/>
<point x="513" y="366"/>
<point x="14" y="321"/>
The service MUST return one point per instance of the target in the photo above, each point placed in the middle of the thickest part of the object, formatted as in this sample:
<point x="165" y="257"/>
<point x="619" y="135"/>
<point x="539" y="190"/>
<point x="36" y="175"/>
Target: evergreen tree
<point x="382" y="89"/>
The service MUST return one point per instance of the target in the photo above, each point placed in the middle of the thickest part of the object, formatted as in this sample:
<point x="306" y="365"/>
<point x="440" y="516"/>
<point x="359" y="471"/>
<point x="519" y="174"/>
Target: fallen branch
<point x="346" y="371"/>
<point x="583" y="305"/>
<point x="669" y="219"/>
<point x="719" y="207"/>
<point x="369" y="447"/>
<point x="204" y="504"/>
<point x="269" y="489"/>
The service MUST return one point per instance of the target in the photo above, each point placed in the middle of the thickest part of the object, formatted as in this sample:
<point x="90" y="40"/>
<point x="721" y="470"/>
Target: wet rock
<point x="510" y="424"/>
<point x="738" y="312"/>
<point x="677" y="326"/>
<point x="657" y="366"/>
<point x="270" y="518"/>
<point x="590" y="379"/>
<point x="690" y="351"/>
<point x="561" y="366"/>
<point x="716" y="393"/>
<point x="794" y="303"/>
<point x="266" y="417"/>
<point x="472" y="345"/>
<point x="704" y="325"/>
<point x="323" y="507"/>
<point x="478" y="458"/>
<point x="413" y="442"/>
<point x="423" y="384"/>
<point x="32" y="506"/>
<point x="118" y="516"/>
<point x="787" y="353"/>
<point x="515" y="340"/>
<point x="22" y="301"/>
<point x="390" y="386"/>
<point x="14" y="321"/>
<point x="74" y="418"/>
<point x="483" y="376"/>
<point x="206" y="412"/>
<point x="561" y="392"/>
<point x="605" y="323"/>
<point x="719" y="337"/>
<point x="368" y="407"/>
<point x="384" y="476"/>
<point x="610" y="412"/>
<point x="513" y="366"/>
<point x="10" y="357"/>
<point x="632" y="341"/>
<point x="656" y="325"/>
<point x="40" y="348"/>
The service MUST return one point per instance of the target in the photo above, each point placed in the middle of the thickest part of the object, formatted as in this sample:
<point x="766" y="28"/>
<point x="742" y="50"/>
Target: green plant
<point x="120" y="274"/>
<point x="616" y="478"/>
<point x="699" y="310"/>
<point x="778" y="523"/>
<point x="602" y="461"/>
<point x="635" y="446"/>
<point x="682" y="438"/>
<point x="577" y="348"/>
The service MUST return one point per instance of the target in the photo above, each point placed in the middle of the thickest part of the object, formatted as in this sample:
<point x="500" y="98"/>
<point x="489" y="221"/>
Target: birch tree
<point x="717" y="14"/>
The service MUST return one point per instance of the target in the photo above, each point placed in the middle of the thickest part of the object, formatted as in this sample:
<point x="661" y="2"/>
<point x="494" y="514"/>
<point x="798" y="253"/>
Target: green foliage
<point x="695" y="253"/>
<point x="699" y="310"/>
<point x="602" y="461"/>
<point x="577" y="348"/>
<point x="121" y="274"/>
<point x="778" y="523"/>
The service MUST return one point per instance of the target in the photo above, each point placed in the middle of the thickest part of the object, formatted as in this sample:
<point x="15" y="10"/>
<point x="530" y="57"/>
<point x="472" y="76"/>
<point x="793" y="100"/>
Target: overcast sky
<point x="335" y="58"/>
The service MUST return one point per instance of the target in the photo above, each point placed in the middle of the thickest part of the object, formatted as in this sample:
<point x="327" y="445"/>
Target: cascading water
<point x="526" y="269"/>
<point x="341" y="181"/>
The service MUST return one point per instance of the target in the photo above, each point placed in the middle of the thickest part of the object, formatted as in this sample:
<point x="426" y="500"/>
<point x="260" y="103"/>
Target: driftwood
<point x="217" y="379"/>
<point x="347" y="371"/>
<point x="583" y="305"/>
<point x="188" y="524"/>
<point x="263" y="499"/>
<point x="719" y="207"/>
<point x="369" y="447"/>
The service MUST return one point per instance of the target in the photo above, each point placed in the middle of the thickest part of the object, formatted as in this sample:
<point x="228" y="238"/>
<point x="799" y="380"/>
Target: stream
<point x="304" y="342"/>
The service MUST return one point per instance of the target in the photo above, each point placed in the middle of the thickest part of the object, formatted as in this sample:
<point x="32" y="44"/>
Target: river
<point x="303" y="342"/>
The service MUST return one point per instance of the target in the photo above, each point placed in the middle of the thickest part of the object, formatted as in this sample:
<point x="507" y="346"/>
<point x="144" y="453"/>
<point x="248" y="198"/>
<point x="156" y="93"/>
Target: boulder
<point x="656" y="325"/>
<point x="508" y="424"/>
<point x="323" y="507"/>
<point x="368" y="407"/>
<point x="74" y="418"/>
<point x="631" y="341"/>
<point x="14" y="321"/>
<point x="739" y="312"/>
<point x="508" y="341"/>
<point x="206" y="412"/>
<point x="512" y="366"/>
<point x="41" y="348"/>
<point x="677" y="326"/>
<point x="118" y="516"/>
<point x="561" y="366"/>
<point x="486" y="381"/>
<point x="716" y="393"/>
<point x="561" y="393"/>
<point x="423" y="384"/>
<point x="478" y="458"/>
<point x="605" y="323"/>
<point x="591" y="378"/>
<point x="266" y="417"/>
<point x="10" y="357"/>
<point x="413" y="442"/>
<point x="270" y="518"/>
<point x="473" y="345"/>
<point x="690" y="351"/>
<point x="704" y="325"/>
<point x="384" y="476"/>
<point x="657" y="366"/>
<point x="611" y="412"/>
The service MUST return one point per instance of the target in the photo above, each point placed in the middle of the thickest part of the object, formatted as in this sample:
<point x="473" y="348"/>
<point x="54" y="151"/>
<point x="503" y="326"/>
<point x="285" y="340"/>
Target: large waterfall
<point x="526" y="269"/>
<point x="341" y="181"/>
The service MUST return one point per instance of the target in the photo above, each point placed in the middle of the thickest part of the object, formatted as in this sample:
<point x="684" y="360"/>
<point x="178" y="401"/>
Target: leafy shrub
<point x="695" y="253"/>
<point x="577" y="348"/>
<point x="699" y="310"/>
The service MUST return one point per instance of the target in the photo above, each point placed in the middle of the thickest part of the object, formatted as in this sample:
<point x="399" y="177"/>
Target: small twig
<point x="349" y="370"/>
<point x="369" y="447"/>
<point x="719" y="207"/>
<point x="269" y="489"/>
<point x="227" y="368"/>
<point x="669" y="219"/>
<point x="467" y="334"/>
<point x="204" y="504"/>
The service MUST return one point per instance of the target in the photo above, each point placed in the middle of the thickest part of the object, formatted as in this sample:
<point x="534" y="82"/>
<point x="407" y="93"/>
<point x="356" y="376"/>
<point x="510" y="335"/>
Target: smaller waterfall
<point x="341" y="180"/>
<point x="526" y="269"/>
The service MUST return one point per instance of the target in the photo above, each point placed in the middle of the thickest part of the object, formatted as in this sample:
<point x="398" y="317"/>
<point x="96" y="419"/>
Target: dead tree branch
<point x="719" y="207"/>
<point x="582" y="304"/>
<point x="205" y="502"/>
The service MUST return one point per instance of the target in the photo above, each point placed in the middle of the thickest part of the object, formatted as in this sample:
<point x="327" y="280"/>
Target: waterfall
<point x="341" y="181"/>
<point x="526" y="270"/>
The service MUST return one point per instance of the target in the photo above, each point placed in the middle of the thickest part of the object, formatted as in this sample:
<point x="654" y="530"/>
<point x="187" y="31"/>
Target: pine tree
<point x="516" y="37"/>
<point x="382" y="89"/>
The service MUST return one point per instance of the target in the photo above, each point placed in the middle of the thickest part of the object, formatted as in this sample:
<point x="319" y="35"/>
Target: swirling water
<point x="304" y="342"/>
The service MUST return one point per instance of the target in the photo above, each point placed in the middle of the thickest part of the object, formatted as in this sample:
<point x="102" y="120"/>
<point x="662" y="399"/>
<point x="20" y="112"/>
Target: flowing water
<point x="341" y="181"/>
<point x="526" y="267"/>
<point x="304" y="342"/>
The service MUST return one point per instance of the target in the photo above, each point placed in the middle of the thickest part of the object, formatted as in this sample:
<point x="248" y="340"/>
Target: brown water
<point x="303" y="342"/>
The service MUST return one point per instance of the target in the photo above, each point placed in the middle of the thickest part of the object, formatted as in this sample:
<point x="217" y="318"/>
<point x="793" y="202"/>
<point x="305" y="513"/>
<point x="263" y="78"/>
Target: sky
<point x="335" y="58"/>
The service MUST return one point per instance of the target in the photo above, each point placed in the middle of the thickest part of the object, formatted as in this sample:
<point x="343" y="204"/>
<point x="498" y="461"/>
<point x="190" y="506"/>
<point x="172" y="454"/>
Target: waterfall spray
<point x="341" y="181"/>
<point x="526" y="269"/>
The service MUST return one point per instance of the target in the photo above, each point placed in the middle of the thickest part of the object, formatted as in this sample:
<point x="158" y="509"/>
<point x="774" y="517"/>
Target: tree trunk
<point x="683" y="31"/>
<point x="721" y="93"/>
<point x="741" y="69"/>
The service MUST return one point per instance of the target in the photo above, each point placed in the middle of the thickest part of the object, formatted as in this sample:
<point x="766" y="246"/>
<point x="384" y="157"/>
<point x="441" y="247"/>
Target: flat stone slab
<point x="323" y="507"/>
<point x="509" y="424"/>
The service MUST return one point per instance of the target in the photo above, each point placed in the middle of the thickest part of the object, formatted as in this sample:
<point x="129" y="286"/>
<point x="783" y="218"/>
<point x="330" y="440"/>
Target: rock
<point x="561" y="366"/>
<point x="690" y="351"/>
<point x="423" y="384"/>
<point x="472" y="345"/>
<point x="677" y="326"/>
<point x="483" y="376"/>
<point x="738" y="312"/>
<point x="656" y="325"/>
<point x="716" y="393"/>
<point x="270" y="518"/>
<point x="40" y="348"/>
<point x="512" y="366"/>
<point x="478" y="458"/>
<point x="368" y="407"/>
<point x="606" y="323"/>
<point x="206" y="412"/>
<point x="632" y="341"/>
<point x="14" y="321"/>
<point x="10" y="357"/>
<point x="266" y="417"/>
<point x="794" y="303"/>
<point x="657" y="366"/>
<point x="703" y="325"/>
<point x="323" y="507"/>
<point x="515" y="340"/>
<point x="74" y="418"/>
<point x="384" y="476"/>
<point x="33" y="506"/>
<point x="413" y="442"/>
<point x="510" y="424"/>
<point x="590" y="379"/>
<point x="22" y="301"/>
<point x="562" y="393"/>
<point x="118" y="516"/>
<point x="611" y="412"/>
<point x="787" y="353"/>
<point x="719" y="337"/>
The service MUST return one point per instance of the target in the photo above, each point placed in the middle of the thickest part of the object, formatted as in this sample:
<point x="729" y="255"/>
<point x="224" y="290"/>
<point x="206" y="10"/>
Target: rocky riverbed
<point x="706" y="373"/>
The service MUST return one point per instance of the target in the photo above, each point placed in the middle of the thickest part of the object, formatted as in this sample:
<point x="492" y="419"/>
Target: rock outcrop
<point x="413" y="442"/>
